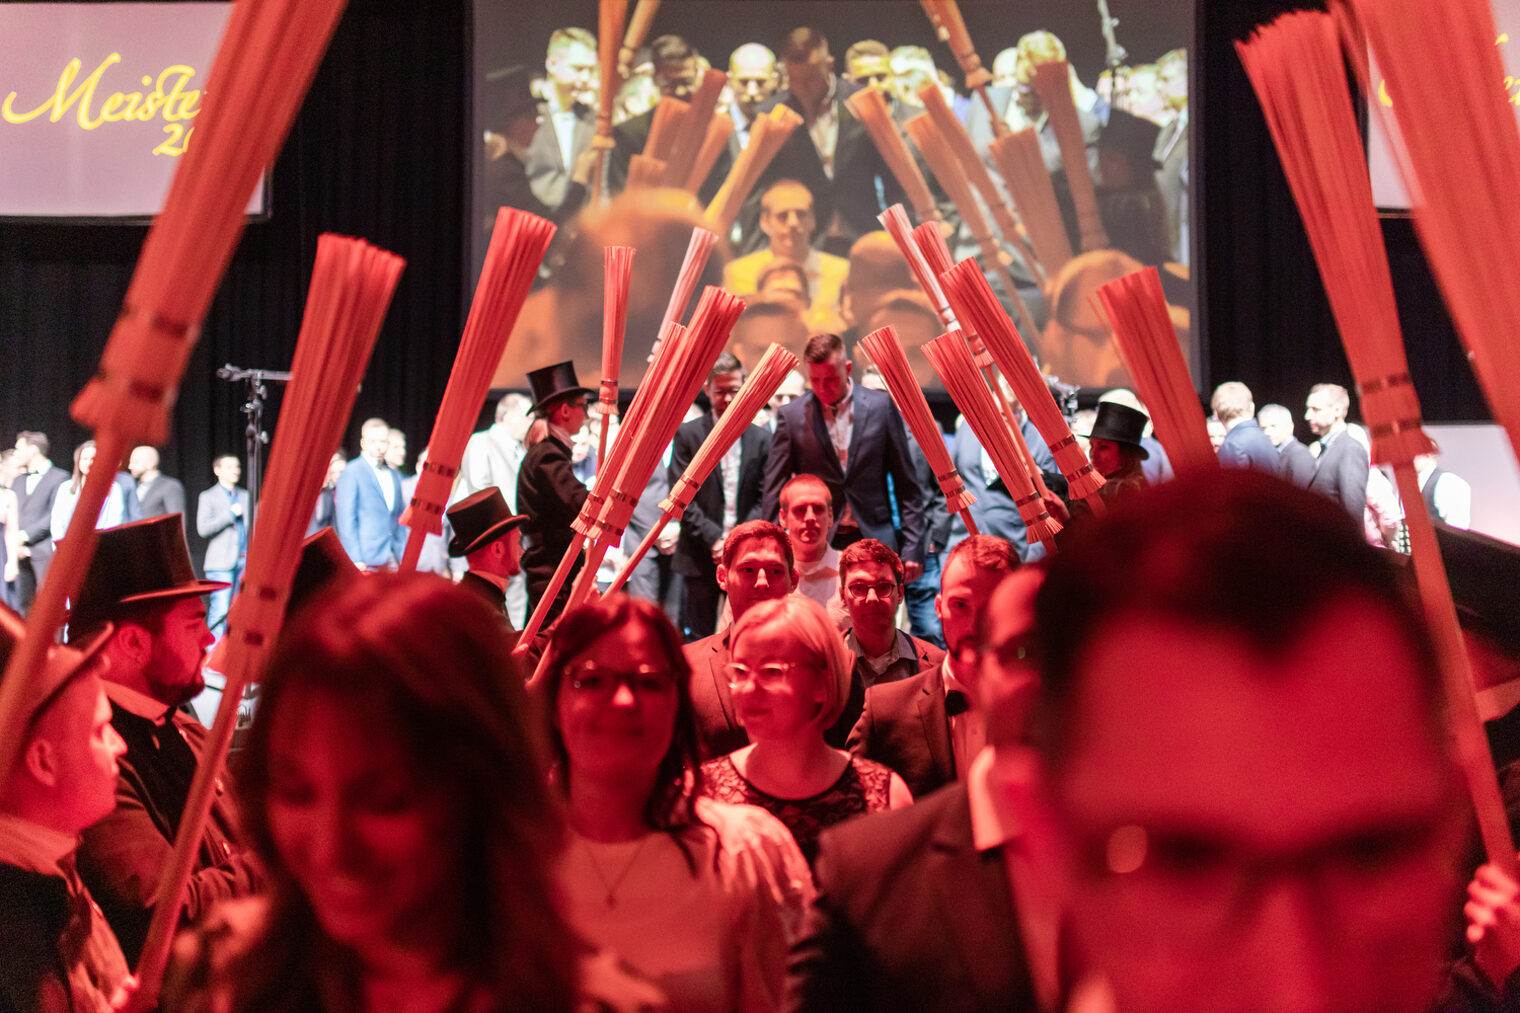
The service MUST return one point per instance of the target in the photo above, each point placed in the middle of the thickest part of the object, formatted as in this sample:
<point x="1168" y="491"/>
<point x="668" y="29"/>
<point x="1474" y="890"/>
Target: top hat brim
<point x="189" y="590"/>
<point x="460" y="549"/>
<point x="561" y="395"/>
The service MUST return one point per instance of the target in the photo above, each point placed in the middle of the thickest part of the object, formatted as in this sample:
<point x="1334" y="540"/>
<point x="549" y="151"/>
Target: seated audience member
<point x="1448" y="497"/>
<point x="871" y="580"/>
<point x="391" y="729"/>
<point x="786" y="218"/>
<point x="790" y="677"/>
<point x="58" y="951"/>
<point x="1294" y="461"/>
<point x="112" y="511"/>
<point x="946" y="905"/>
<point x="757" y="566"/>
<point x="807" y="517"/>
<point x="877" y="268"/>
<point x="1261" y="806"/>
<point x="701" y="897"/>
<point x="729" y="497"/>
<point x="930" y="726"/>
<point x="1115" y="450"/>
<point x="141" y="586"/>
<point x="854" y="439"/>
<point x="767" y="320"/>
<point x="1245" y="445"/>
<point x="1341" y="463"/>
<point x="489" y="536"/>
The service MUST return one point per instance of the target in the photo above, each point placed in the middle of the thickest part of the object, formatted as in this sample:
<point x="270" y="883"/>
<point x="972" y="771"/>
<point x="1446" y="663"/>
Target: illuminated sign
<point x="97" y="103"/>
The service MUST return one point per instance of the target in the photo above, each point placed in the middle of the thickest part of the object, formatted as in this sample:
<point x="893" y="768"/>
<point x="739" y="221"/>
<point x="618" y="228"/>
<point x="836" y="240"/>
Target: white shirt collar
<point x="993" y="823"/>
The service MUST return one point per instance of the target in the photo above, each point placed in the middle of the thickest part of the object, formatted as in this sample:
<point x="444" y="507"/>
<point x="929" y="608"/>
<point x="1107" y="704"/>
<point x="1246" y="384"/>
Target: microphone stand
<point x="256" y="437"/>
<point x="1114" y="57"/>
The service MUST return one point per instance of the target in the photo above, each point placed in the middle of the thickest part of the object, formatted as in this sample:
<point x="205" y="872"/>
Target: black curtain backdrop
<point x="379" y="151"/>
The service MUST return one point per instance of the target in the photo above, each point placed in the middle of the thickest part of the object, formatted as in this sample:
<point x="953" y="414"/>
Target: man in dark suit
<point x="1294" y="461"/>
<point x="1245" y="445"/>
<point x="486" y="534"/>
<point x="513" y="118"/>
<point x="676" y="76"/>
<point x="35" y="487"/>
<point x="140" y="583"/>
<point x="853" y="439"/>
<point x="831" y="153"/>
<point x="1341" y="463"/>
<point x="570" y="121"/>
<point x="369" y="501"/>
<point x="871" y="585"/>
<point x="221" y="517"/>
<point x="944" y="905"/>
<point x="757" y="566"/>
<point x="926" y="727"/>
<point x="730" y="496"/>
<point x="547" y="490"/>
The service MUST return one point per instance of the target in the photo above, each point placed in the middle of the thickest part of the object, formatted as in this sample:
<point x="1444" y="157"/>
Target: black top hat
<point x="1132" y="135"/>
<point x="1483" y="573"/>
<point x="323" y="561"/>
<point x="479" y="520"/>
<point x="555" y="383"/>
<point x="62" y="666"/>
<point x="507" y="93"/>
<point x="1121" y="424"/>
<point x="142" y="561"/>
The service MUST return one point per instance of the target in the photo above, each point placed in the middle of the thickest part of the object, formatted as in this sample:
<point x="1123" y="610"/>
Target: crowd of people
<point x="763" y="780"/>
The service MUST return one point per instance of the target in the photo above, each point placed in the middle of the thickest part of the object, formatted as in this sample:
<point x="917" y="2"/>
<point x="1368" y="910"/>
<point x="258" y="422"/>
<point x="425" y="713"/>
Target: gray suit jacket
<point x="215" y="523"/>
<point x="548" y="174"/>
<point x="163" y="495"/>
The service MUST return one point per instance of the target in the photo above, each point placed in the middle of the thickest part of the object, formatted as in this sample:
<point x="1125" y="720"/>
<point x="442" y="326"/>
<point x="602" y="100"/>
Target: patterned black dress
<point x="864" y="787"/>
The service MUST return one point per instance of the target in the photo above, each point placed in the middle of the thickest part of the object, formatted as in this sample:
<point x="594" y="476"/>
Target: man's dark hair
<point x="750" y="531"/>
<point x="986" y="552"/>
<point x="869" y="550"/>
<point x="800" y="44"/>
<point x="1175" y="552"/>
<point x="822" y="347"/>
<point x="36" y="439"/>
<point x="149" y="615"/>
<point x="669" y="49"/>
<point x="726" y="363"/>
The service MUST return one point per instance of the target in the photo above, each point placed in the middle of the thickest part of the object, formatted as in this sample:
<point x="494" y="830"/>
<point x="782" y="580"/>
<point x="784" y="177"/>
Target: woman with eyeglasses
<point x="395" y="791"/>
<point x="790" y="678"/>
<point x="701" y="897"/>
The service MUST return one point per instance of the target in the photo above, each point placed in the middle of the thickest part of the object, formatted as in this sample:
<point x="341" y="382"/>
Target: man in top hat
<point x="487" y="535"/>
<point x="1115" y="450"/>
<point x="141" y="584"/>
<point x="547" y="490"/>
<point x="59" y="953"/>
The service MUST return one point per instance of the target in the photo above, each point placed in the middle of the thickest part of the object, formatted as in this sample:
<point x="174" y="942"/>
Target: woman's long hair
<point x="436" y="662"/>
<point x="670" y="804"/>
<point x="77" y="481"/>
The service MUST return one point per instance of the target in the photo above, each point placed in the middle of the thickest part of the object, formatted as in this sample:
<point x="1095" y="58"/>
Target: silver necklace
<point x="612" y="886"/>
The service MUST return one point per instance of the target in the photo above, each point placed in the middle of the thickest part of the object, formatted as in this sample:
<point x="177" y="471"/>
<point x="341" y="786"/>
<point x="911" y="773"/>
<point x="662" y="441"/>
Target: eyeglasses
<point x="591" y="679"/>
<point x="766" y="676"/>
<point x="860" y="590"/>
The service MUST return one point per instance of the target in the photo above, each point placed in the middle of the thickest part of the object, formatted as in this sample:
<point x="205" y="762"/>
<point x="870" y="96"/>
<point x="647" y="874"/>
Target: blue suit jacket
<point x="878" y="448"/>
<point x="1246" y="446"/>
<point x="371" y="534"/>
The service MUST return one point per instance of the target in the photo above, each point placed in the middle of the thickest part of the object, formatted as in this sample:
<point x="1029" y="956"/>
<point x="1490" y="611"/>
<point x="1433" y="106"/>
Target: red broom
<point x="973" y="300"/>
<point x="975" y="170"/>
<point x="757" y="390"/>
<point x="870" y="108"/>
<point x="1053" y="82"/>
<point x="1022" y="165"/>
<point x="1135" y="309"/>
<point x="718" y="132"/>
<point x="1461" y="160"/>
<point x="693" y="128"/>
<point x="351" y="288"/>
<point x="638" y="29"/>
<point x="669" y="113"/>
<point x="698" y="249"/>
<point x="262" y="69"/>
<point x="766" y="136"/>
<point x="951" y="358"/>
<point x="885" y="349"/>
<point x="951" y="28"/>
<point x="947" y="170"/>
<point x="610" y="17"/>
<point x="1295" y="66"/>
<point x="617" y="265"/>
<point x="518" y="243"/>
<point x="895" y="221"/>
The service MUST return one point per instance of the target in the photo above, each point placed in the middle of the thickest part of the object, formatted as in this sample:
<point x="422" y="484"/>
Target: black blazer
<point x="34" y="510"/>
<point x="702" y="524"/>
<point x="550" y="494"/>
<point x="1340" y="474"/>
<point x="909" y="916"/>
<point x="712" y="702"/>
<point x="904" y="725"/>
<point x="1295" y="463"/>
<point x="878" y="448"/>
